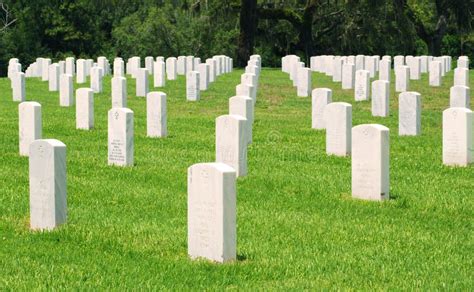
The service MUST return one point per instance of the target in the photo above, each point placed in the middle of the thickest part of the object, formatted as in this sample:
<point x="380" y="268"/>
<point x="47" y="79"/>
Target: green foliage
<point x="85" y="28"/>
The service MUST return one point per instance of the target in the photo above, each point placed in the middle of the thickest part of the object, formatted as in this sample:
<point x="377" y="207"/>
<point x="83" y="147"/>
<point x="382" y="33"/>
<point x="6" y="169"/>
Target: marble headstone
<point x="48" y="188"/>
<point x="66" y="90"/>
<point x="192" y="86"/>
<point x="120" y="137"/>
<point x="231" y="142"/>
<point x="321" y="97"/>
<point x="362" y="83"/>
<point x="380" y="98"/>
<point x="243" y="106"/>
<point x="459" y="96"/>
<point x="142" y="86"/>
<point x="84" y="109"/>
<point x="156" y="125"/>
<point x="338" y="122"/>
<point x="29" y="125"/>
<point x="159" y="74"/>
<point x="212" y="226"/>
<point x="119" y="92"/>
<point x="402" y="78"/>
<point x="457" y="136"/>
<point x="370" y="162"/>
<point x="409" y="114"/>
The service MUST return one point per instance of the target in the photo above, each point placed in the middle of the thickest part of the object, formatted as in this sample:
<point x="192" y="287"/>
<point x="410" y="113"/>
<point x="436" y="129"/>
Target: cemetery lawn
<point x="298" y="226"/>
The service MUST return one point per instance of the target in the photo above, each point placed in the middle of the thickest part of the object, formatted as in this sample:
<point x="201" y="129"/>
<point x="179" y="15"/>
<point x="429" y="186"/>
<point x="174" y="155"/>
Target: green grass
<point x="298" y="226"/>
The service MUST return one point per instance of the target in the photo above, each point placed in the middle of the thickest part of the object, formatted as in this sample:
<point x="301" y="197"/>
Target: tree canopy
<point x="238" y="28"/>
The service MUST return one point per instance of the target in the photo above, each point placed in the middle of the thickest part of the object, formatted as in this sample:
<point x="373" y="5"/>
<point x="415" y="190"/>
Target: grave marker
<point x="409" y="114"/>
<point x="212" y="229"/>
<point x="231" y="142"/>
<point x="48" y="190"/>
<point x="29" y="125"/>
<point x="84" y="109"/>
<point x="370" y="162"/>
<point x="338" y="122"/>
<point x="156" y="114"/>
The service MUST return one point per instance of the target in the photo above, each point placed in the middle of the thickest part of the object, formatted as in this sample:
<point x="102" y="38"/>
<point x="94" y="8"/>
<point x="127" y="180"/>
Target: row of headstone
<point x="344" y="68"/>
<point x="212" y="232"/>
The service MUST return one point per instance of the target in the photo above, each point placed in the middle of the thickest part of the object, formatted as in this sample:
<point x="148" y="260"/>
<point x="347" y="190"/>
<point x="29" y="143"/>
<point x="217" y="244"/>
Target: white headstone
<point x="81" y="71"/>
<point x="362" y="83"/>
<point x="197" y="62"/>
<point x="18" y="86"/>
<point x="385" y="70"/>
<point x="409" y="114"/>
<point x="463" y="62"/>
<point x="423" y="64"/>
<point x="156" y="125"/>
<point x="45" y="68"/>
<point x="181" y="65"/>
<point x="48" y="190"/>
<point x="348" y="76"/>
<point x="39" y="67"/>
<point x="251" y="80"/>
<point x="435" y="73"/>
<point x="96" y="79"/>
<point x="192" y="86"/>
<point x="29" y="125"/>
<point x="380" y="98"/>
<point x="459" y="97"/>
<point x="84" y="109"/>
<point x="62" y="67"/>
<point x="231" y="142"/>
<point x="304" y="82"/>
<point x="53" y="77"/>
<point x="398" y="61"/>
<point x="119" y="92"/>
<point x="171" y="68"/>
<point x="212" y="227"/>
<point x="119" y="68"/>
<point x="415" y="68"/>
<point x="371" y="65"/>
<point x="203" y="76"/>
<point x="337" y="69"/>
<point x="149" y="63"/>
<point x="212" y="69"/>
<point x="159" y="74"/>
<point x="190" y="64"/>
<point x="142" y="82"/>
<point x="70" y="67"/>
<point x="370" y="162"/>
<point x="243" y="106"/>
<point x="359" y="62"/>
<point x="120" y="137"/>
<point x="245" y="90"/>
<point x="89" y="65"/>
<point x="457" y="137"/>
<point x="338" y="122"/>
<point x="321" y="97"/>
<point x="461" y="76"/>
<point x="66" y="90"/>
<point x="402" y="78"/>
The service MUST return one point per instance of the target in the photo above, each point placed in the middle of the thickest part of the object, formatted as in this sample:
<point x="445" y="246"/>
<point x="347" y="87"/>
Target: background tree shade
<point x="237" y="28"/>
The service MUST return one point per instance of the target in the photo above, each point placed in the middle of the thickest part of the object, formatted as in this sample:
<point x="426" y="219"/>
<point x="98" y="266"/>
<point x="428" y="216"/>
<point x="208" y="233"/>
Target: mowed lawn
<point x="298" y="226"/>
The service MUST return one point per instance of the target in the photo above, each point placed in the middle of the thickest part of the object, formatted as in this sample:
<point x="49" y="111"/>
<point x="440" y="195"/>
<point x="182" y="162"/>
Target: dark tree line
<point x="238" y="28"/>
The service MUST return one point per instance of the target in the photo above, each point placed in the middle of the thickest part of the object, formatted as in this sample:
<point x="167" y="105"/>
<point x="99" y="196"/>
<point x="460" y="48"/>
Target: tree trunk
<point x="438" y="35"/>
<point x="248" y="23"/>
<point x="306" y="29"/>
